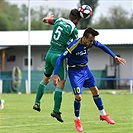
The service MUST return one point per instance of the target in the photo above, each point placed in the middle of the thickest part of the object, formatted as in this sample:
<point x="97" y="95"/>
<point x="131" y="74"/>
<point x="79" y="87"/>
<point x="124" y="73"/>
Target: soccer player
<point x="63" y="31"/>
<point x="1" y="103"/>
<point x="80" y="75"/>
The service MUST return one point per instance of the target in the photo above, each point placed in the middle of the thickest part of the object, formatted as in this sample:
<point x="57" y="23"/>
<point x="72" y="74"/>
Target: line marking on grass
<point x="37" y="124"/>
<point x="29" y="125"/>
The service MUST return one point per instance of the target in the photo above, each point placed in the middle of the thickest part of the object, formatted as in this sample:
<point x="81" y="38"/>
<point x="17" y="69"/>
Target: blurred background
<point x="24" y="41"/>
<point x="107" y="14"/>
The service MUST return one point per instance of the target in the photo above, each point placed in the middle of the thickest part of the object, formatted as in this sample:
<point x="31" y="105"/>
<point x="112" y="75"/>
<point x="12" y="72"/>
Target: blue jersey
<point x="77" y="53"/>
<point x="79" y="73"/>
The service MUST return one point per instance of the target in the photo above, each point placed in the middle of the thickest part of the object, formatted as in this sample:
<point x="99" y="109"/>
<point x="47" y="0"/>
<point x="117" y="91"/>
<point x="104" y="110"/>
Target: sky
<point x="102" y="8"/>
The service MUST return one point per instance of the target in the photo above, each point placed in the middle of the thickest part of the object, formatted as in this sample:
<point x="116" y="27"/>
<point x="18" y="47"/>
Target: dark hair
<point x="90" y="31"/>
<point x="74" y="14"/>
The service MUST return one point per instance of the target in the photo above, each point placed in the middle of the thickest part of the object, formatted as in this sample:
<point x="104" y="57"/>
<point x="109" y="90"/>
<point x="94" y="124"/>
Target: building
<point x="15" y="46"/>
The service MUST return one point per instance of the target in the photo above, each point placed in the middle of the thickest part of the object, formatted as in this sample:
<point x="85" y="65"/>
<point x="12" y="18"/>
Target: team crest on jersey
<point x="81" y="53"/>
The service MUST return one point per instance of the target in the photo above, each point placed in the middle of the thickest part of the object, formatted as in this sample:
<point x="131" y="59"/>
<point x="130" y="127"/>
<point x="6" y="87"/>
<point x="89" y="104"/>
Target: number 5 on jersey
<point x="58" y="33"/>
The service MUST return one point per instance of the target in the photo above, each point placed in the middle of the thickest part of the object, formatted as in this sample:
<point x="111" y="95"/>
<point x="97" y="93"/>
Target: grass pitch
<point x="19" y="117"/>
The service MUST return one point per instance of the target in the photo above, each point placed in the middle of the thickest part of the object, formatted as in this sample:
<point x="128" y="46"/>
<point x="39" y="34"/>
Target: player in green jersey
<point x="63" y="31"/>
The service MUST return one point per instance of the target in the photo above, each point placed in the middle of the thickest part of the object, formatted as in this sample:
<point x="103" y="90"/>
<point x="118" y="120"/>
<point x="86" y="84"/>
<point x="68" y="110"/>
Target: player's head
<point x="89" y="36"/>
<point x="74" y="16"/>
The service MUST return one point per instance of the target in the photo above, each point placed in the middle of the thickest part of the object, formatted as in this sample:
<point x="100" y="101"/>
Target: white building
<point x="14" y="50"/>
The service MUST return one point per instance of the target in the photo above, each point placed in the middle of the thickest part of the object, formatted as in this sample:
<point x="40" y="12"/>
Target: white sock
<point x="77" y="118"/>
<point x="102" y="112"/>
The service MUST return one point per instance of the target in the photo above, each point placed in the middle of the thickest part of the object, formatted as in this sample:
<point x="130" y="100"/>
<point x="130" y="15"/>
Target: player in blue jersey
<point x="80" y="75"/>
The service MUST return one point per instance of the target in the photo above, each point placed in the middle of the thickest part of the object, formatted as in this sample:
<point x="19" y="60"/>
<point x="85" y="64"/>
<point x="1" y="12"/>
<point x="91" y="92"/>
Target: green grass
<point x="19" y="117"/>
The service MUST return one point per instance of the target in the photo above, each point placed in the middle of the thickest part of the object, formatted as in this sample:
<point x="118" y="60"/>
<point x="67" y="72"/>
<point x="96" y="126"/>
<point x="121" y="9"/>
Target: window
<point x="11" y="58"/>
<point x="25" y="63"/>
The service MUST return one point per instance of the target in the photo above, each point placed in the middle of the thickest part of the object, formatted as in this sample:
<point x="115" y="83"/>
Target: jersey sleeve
<point x="52" y="21"/>
<point x="104" y="48"/>
<point x="74" y="33"/>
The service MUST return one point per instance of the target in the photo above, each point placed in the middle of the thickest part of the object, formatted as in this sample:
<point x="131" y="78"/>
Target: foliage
<point x="13" y="17"/>
<point x="117" y="18"/>
<point x="9" y="16"/>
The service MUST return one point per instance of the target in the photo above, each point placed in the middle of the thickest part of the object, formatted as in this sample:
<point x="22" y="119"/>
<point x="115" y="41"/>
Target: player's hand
<point x="56" y="80"/>
<point x="119" y="60"/>
<point x="47" y="19"/>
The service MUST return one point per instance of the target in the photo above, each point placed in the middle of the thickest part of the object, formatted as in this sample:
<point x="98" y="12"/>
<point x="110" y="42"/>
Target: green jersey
<point x="64" y="30"/>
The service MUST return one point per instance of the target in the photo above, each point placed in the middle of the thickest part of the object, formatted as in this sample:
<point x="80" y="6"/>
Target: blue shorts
<point x="81" y="77"/>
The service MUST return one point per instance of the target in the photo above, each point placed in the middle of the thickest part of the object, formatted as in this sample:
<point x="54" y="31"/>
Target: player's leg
<point x="91" y="83"/>
<point x="97" y="99"/>
<point x="58" y="95"/>
<point x="46" y="79"/>
<point x="40" y="92"/>
<point x="77" y="84"/>
<point x="58" y="100"/>
<point x="100" y="106"/>
<point x="77" y="105"/>
<point x="59" y="89"/>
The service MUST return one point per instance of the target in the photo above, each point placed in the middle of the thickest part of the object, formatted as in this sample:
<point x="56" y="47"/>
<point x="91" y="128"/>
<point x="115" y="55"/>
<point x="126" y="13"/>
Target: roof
<point x="1" y="48"/>
<point x="114" y="36"/>
<point x="23" y="37"/>
<point x="43" y="37"/>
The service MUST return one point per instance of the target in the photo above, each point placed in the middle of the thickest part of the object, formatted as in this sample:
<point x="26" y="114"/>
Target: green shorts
<point x="50" y="62"/>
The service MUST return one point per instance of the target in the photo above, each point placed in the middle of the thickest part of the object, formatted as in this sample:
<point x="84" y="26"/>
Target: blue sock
<point x="77" y="107"/>
<point x="98" y="102"/>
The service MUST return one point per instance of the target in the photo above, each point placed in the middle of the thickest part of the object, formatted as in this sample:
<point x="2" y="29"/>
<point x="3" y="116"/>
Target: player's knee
<point x="47" y="75"/>
<point x="46" y="79"/>
<point x="94" y="90"/>
<point x="78" y="97"/>
<point x="61" y="84"/>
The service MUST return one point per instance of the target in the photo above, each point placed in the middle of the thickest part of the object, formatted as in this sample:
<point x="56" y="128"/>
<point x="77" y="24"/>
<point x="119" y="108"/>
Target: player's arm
<point x="118" y="60"/>
<point x="58" y="62"/>
<point x="49" y="19"/>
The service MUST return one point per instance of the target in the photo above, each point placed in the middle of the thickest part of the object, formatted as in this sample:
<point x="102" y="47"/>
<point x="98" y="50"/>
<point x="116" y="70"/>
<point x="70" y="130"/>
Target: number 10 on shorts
<point x="77" y="90"/>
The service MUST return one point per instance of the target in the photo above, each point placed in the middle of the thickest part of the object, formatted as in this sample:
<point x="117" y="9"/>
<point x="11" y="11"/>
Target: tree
<point x="37" y="15"/>
<point x="93" y="4"/>
<point x="14" y="18"/>
<point x="117" y="18"/>
<point x="9" y="16"/>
